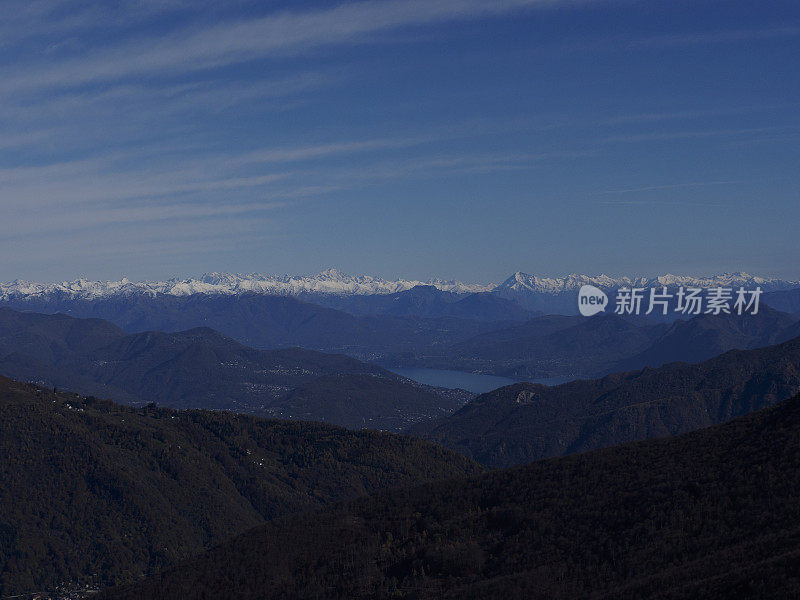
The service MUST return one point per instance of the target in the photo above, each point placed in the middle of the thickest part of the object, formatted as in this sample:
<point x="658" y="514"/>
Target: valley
<point x="399" y="300"/>
<point x="173" y="482"/>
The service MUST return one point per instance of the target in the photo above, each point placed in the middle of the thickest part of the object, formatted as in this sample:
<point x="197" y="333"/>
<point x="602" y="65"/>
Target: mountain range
<point x="710" y="514"/>
<point x="269" y="322"/>
<point x="550" y="295"/>
<point x="330" y="281"/>
<point x="197" y="368"/>
<point x="200" y="368"/>
<point x="561" y="346"/>
<point x="428" y="301"/>
<point x="557" y="295"/>
<point x="335" y="282"/>
<point x="424" y="326"/>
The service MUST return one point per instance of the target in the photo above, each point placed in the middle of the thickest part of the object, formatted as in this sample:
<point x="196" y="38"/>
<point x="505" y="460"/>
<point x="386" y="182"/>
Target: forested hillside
<point x="710" y="514"/>
<point x="96" y="493"/>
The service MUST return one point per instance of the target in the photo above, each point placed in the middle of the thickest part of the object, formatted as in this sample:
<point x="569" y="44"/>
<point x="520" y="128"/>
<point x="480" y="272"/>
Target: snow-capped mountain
<point x="522" y="282"/>
<point x="556" y="295"/>
<point x="329" y="282"/>
<point x="520" y="287"/>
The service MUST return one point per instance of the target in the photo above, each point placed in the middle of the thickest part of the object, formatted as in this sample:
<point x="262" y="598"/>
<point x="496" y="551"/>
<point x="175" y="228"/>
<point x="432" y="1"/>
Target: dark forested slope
<point x="710" y="514"/>
<point x="92" y="492"/>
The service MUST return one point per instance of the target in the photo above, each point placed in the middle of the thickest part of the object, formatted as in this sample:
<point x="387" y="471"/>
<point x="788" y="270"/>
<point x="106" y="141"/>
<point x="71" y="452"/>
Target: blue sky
<point x="457" y="138"/>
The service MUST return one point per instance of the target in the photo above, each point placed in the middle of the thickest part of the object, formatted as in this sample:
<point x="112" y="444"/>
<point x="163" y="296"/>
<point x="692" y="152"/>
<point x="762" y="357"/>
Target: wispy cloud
<point x="438" y="165"/>
<point x="142" y="126"/>
<point x="238" y="41"/>
<point x="299" y="153"/>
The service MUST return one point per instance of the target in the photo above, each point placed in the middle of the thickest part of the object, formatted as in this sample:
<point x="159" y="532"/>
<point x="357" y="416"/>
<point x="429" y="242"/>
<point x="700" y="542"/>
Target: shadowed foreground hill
<point x="92" y="492"/>
<point x="524" y="422"/>
<point x="710" y="514"/>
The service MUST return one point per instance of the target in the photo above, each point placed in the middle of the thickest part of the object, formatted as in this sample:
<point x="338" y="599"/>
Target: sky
<point x="461" y="139"/>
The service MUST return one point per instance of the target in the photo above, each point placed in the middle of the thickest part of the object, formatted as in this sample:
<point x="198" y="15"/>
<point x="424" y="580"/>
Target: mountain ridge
<point x="202" y="368"/>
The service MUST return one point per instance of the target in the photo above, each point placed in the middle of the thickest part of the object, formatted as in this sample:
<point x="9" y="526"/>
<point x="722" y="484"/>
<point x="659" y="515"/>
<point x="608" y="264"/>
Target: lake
<point x="473" y="382"/>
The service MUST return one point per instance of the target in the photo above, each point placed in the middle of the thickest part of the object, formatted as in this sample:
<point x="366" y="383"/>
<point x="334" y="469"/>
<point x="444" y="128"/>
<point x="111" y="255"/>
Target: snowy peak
<point x="725" y="280"/>
<point x="522" y="282"/>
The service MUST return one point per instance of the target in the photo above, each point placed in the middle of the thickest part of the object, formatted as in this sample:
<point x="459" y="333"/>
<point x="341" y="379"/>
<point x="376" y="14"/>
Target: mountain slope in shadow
<point x="710" y="514"/>
<point x="95" y="493"/>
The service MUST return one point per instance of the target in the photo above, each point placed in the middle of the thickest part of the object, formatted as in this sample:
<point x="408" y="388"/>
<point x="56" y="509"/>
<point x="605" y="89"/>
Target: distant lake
<point x="473" y="382"/>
